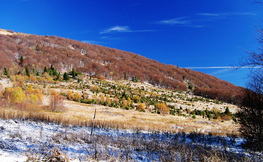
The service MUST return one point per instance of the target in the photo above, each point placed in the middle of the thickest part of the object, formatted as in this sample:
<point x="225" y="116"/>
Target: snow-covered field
<point x="20" y="138"/>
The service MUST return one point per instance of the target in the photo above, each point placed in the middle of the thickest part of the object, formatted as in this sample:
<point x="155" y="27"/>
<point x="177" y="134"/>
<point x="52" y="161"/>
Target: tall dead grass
<point x="118" y="119"/>
<point x="58" y="118"/>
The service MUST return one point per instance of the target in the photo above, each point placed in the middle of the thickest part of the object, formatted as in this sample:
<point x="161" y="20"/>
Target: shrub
<point x="108" y="100"/>
<point x="136" y="99"/>
<point x="65" y="76"/>
<point x="141" y="107"/>
<point x="227" y="111"/>
<point x="56" y="102"/>
<point x="163" y="108"/>
<point x="102" y="97"/>
<point x="85" y="96"/>
<point x="179" y="112"/>
<point x="125" y="104"/>
<point x="32" y="99"/>
<point x="172" y="112"/>
<point x="77" y="97"/>
<point x="129" y="101"/>
<point x="70" y="95"/>
<point x="17" y="96"/>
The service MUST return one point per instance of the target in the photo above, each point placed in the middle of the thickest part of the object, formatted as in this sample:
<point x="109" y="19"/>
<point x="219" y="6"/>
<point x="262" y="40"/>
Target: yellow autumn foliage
<point x="163" y="108"/>
<point x="108" y="100"/>
<point x="17" y="96"/>
<point x="70" y="95"/>
<point x="141" y="107"/>
<point x="77" y="96"/>
<point x="33" y="99"/>
<point x="129" y="101"/>
<point x="102" y="97"/>
<point x="137" y="99"/>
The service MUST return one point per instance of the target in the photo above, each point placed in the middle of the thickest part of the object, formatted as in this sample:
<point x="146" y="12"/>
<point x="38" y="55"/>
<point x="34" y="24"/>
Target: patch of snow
<point x="18" y="137"/>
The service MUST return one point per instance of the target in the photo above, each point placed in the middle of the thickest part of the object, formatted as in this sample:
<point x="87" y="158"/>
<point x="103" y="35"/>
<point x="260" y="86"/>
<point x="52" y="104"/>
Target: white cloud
<point x="228" y="14"/>
<point x="123" y="29"/>
<point x="219" y="72"/>
<point x="221" y="67"/>
<point x="116" y="29"/>
<point x="201" y="17"/>
<point x="180" y="20"/>
<point x="211" y="67"/>
<point x="183" y="21"/>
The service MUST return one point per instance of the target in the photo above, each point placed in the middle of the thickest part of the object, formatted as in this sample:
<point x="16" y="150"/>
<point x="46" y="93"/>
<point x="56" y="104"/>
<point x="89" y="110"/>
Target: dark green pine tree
<point x="5" y="71"/>
<point x="50" y="72"/>
<point x="65" y="76"/>
<point x="74" y="73"/>
<point x="52" y="68"/>
<point x="27" y="71"/>
<point x="57" y="76"/>
<point x="37" y="74"/>
<point x="34" y="71"/>
<point x="21" y="60"/>
<point x="45" y="70"/>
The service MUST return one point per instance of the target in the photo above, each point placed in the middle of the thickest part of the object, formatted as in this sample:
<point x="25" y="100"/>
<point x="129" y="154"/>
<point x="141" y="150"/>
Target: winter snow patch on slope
<point x="19" y="137"/>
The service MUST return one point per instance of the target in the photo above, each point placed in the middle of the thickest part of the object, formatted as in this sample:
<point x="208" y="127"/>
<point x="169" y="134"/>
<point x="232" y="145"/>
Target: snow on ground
<point x="18" y="138"/>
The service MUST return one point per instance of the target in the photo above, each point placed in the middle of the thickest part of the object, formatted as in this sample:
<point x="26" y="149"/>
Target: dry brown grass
<point x="131" y="119"/>
<point x="81" y="115"/>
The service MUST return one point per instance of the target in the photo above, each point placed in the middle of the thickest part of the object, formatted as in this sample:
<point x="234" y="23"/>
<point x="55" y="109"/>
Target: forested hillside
<point x="103" y="62"/>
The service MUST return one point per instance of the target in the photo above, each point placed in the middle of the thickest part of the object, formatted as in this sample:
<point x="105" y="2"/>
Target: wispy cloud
<point x="210" y="67"/>
<point x="228" y="14"/>
<point x="123" y="29"/>
<point x="183" y="21"/>
<point x="220" y="67"/>
<point x="180" y="20"/>
<point x="219" y="72"/>
<point x="116" y="29"/>
<point x="198" y="19"/>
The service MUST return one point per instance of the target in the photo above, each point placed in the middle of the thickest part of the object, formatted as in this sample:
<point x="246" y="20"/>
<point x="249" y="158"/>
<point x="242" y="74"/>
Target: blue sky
<point x="204" y="35"/>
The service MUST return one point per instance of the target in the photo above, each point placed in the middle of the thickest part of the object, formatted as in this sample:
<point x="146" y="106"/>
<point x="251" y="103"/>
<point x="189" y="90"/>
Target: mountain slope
<point x="98" y="61"/>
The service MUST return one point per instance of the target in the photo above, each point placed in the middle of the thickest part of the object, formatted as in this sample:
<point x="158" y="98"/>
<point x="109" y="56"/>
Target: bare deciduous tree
<point x="251" y="111"/>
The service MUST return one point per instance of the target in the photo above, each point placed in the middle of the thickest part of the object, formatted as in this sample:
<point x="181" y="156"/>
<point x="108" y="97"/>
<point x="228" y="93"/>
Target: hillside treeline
<point x="98" y="61"/>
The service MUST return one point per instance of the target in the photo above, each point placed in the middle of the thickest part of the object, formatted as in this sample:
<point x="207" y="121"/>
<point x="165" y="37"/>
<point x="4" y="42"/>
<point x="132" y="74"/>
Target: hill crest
<point x="98" y="61"/>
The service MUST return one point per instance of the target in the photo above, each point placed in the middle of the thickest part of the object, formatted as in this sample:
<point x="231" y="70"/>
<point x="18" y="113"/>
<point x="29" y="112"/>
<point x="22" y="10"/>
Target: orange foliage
<point x="101" y="77"/>
<point x="94" y="88"/>
<point x="108" y="100"/>
<point x="102" y="97"/>
<point x="141" y="107"/>
<point x="116" y="99"/>
<point x="125" y="103"/>
<point x="70" y="95"/>
<point x="77" y="96"/>
<point x="163" y="108"/>
<point x="136" y="99"/>
<point x="129" y="101"/>
<point x="33" y="78"/>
